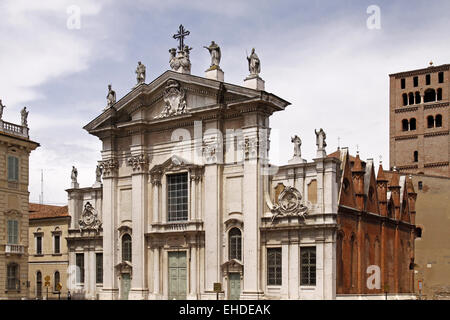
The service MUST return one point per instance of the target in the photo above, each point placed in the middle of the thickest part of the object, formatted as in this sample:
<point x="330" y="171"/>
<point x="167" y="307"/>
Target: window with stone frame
<point x="12" y="277"/>
<point x="57" y="243"/>
<point x="308" y="266"/>
<point x="13" y="168"/>
<point x="177" y="197"/>
<point x="126" y="247"/>
<point x="99" y="268"/>
<point x="13" y="231"/>
<point x="274" y="270"/>
<point x="416" y="81"/>
<point x="441" y="77"/>
<point x="235" y="244"/>
<point x="79" y="257"/>
<point x="39" y="244"/>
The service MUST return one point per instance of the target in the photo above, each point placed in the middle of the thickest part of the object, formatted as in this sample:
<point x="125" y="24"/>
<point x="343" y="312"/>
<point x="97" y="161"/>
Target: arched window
<point x="405" y="99"/>
<point x="430" y="121"/>
<point x="38" y="284"/>
<point x="418" y="97"/>
<point x="411" y="98"/>
<point x="405" y="125"/>
<point x="126" y="247"/>
<point x="339" y="261"/>
<point x="416" y="156"/>
<point x="412" y="124"/>
<point x="438" y="120"/>
<point x="235" y="244"/>
<point x="57" y="280"/>
<point x="439" y="94"/>
<point x="430" y="95"/>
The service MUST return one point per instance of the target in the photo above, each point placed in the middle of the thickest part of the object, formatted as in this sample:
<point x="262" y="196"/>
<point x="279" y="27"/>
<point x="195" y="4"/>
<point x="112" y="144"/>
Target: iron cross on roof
<point x="180" y="36"/>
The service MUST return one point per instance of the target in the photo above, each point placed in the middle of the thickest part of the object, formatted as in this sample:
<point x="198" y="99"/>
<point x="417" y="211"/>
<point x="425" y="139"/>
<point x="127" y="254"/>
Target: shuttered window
<point x="13" y="168"/>
<point x="13" y="232"/>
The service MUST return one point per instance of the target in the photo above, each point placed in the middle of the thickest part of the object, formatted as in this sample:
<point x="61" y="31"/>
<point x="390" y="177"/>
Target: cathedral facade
<point x="189" y="206"/>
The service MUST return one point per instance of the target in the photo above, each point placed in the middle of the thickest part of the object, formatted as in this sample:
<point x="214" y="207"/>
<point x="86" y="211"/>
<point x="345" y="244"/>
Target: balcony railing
<point x="14" y="249"/>
<point x="13" y="129"/>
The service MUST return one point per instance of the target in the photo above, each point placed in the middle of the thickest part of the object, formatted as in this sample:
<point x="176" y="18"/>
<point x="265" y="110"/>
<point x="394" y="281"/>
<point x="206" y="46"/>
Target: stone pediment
<point x="174" y="95"/>
<point x="175" y="163"/>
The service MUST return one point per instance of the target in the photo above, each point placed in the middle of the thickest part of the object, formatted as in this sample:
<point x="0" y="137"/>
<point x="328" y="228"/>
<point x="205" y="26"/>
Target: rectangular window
<point x="308" y="266"/>
<point x="441" y="77"/>
<point x="80" y="267"/>
<point x="428" y="79"/>
<point x="13" y="232"/>
<point x="403" y="83"/>
<point x="39" y="245"/>
<point x="274" y="267"/>
<point x="416" y="81"/>
<point x="99" y="267"/>
<point x="57" y="241"/>
<point x="177" y="188"/>
<point x="13" y="282"/>
<point x="13" y="168"/>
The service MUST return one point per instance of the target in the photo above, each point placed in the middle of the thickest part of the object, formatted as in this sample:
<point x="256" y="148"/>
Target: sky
<point x="321" y="56"/>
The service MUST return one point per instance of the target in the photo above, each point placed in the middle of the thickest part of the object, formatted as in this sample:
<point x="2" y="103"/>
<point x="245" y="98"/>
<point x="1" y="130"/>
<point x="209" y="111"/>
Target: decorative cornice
<point x="412" y="166"/>
<point x="436" y="164"/>
<point x="409" y="109"/>
<point x="410" y="137"/>
<point x="436" y="105"/>
<point x="434" y="134"/>
<point x="433" y="69"/>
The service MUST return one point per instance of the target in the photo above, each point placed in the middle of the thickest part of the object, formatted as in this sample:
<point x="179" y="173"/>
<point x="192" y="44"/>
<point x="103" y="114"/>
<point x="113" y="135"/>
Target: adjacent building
<point x="15" y="148"/>
<point x="420" y="146"/>
<point x="47" y="251"/>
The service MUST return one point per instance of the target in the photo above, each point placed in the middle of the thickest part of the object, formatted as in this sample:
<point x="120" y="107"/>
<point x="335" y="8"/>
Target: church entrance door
<point x="235" y="286"/>
<point x="125" y="286"/>
<point x="177" y="275"/>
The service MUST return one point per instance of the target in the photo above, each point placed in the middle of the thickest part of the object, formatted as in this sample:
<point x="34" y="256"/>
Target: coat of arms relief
<point x="89" y="218"/>
<point x="174" y="100"/>
<point x="289" y="203"/>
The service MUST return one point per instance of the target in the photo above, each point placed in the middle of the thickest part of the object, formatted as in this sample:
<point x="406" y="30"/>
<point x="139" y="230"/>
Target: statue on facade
<point x="24" y="115"/>
<point x="1" y="109"/>
<point x="111" y="97"/>
<point x="74" y="175"/>
<point x="320" y="139"/>
<point x="98" y="174"/>
<point x="140" y="72"/>
<point x="254" y="64"/>
<point x="297" y="144"/>
<point x="179" y="61"/>
<point x="214" y="51"/>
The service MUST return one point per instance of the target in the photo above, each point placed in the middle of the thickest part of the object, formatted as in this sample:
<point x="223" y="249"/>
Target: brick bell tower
<point x="419" y="120"/>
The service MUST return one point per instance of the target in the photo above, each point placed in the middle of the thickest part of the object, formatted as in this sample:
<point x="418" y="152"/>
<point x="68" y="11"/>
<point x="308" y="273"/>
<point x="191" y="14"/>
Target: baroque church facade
<point x="188" y="199"/>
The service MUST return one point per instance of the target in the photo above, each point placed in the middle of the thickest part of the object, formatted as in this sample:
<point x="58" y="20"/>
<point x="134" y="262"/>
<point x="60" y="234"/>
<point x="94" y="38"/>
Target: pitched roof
<point x="40" y="211"/>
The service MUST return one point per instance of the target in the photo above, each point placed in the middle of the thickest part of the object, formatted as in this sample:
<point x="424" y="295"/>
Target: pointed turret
<point x="358" y="182"/>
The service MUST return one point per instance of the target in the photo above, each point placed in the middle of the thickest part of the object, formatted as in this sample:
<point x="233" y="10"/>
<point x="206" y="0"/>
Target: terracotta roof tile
<point x="39" y="211"/>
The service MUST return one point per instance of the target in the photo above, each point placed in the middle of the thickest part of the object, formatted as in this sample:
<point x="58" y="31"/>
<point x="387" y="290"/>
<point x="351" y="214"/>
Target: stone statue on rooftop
<point x="24" y="116"/>
<point x="98" y="174"/>
<point x="140" y="73"/>
<point x="297" y="144"/>
<point x="111" y="97"/>
<point x="74" y="174"/>
<point x="320" y="139"/>
<point x="1" y="109"/>
<point x="214" y="51"/>
<point x="254" y="64"/>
